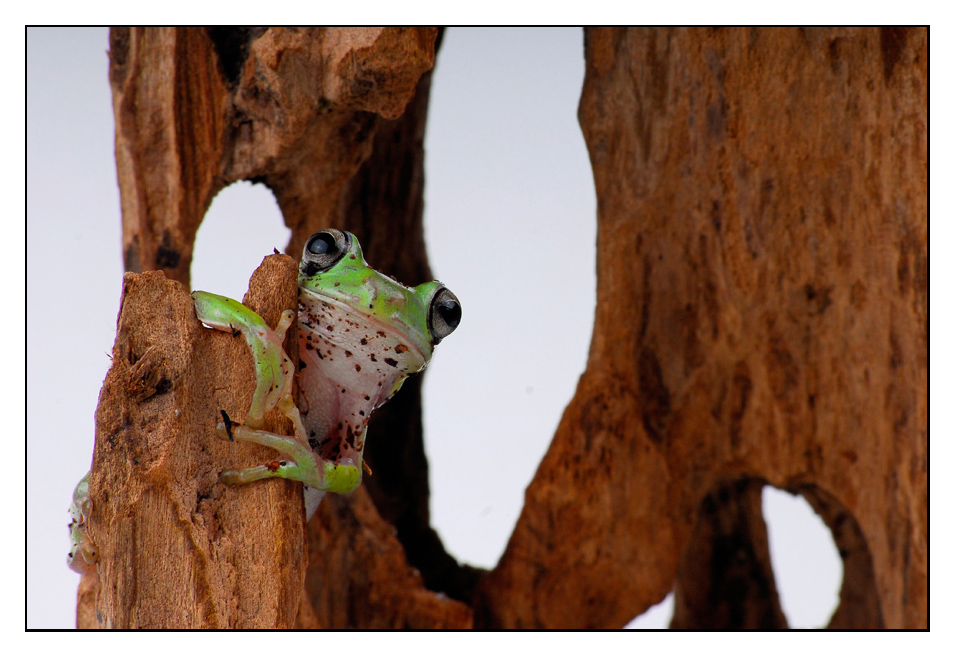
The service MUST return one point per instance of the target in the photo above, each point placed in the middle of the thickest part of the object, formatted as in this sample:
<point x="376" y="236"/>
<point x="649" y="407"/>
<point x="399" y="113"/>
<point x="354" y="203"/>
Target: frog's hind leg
<point x="304" y="465"/>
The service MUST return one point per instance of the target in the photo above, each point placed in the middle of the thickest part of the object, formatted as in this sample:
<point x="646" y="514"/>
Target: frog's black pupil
<point x="450" y="312"/>
<point x="321" y="244"/>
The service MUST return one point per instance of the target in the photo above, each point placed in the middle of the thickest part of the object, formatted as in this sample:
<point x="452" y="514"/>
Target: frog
<point x="361" y="334"/>
<point x="83" y="554"/>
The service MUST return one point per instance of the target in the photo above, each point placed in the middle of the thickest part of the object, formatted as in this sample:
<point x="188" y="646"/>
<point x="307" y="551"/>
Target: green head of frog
<point x="333" y="271"/>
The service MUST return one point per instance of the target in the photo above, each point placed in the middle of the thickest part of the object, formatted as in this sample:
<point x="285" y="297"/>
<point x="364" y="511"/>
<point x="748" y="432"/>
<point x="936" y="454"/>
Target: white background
<point x="510" y="227"/>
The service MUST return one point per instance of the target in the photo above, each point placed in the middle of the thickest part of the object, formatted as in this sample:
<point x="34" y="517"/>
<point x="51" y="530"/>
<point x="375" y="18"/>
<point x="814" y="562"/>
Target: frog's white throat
<point x="349" y="364"/>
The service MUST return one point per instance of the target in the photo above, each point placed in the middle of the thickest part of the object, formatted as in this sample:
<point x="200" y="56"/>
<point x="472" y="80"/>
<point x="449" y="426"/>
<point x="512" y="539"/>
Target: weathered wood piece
<point x="294" y="108"/>
<point x="761" y="317"/>
<point x="359" y="577"/>
<point x="298" y="111"/>
<point x="178" y="548"/>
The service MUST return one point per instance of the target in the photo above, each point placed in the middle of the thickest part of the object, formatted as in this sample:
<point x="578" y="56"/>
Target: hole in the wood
<point x="504" y="157"/>
<point x="656" y="617"/>
<point x="242" y="226"/>
<point x="806" y="561"/>
<point x="806" y="565"/>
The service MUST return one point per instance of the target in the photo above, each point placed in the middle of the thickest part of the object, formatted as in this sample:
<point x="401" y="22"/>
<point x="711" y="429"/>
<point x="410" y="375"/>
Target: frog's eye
<point x="444" y="314"/>
<point x="323" y="250"/>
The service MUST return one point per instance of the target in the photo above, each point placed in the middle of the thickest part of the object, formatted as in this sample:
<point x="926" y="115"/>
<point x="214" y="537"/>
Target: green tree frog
<point x="360" y="334"/>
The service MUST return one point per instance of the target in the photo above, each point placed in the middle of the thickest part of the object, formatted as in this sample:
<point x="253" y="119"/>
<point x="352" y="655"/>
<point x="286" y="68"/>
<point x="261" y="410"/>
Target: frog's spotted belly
<point x="349" y="364"/>
<point x="336" y="330"/>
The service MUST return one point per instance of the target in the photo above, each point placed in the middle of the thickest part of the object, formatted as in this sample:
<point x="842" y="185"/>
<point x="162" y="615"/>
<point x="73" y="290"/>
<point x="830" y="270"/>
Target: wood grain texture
<point x="298" y="110"/>
<point x="761" y="319"/>
<point x="197" y="109"/>
<point x="178" y="549"/>
<point x="761" y="316"/>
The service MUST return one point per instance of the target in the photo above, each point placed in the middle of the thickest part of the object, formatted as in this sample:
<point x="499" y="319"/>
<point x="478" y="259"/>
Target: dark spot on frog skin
<point x="350" y="437"/>
<point x="381" y="334"/>
<point x="361" y="413"/>
<point x="367" y="398"/>
<point x="357" y="367"/>
<point x="372" y="357"/>
<point x="347" y="354"/>
<point x="400" y="349"/>
<point x="301" y="364"/>
<point x="364" y="341"/>
<point x="392" y="362"/>
<point x="330" y="327"/>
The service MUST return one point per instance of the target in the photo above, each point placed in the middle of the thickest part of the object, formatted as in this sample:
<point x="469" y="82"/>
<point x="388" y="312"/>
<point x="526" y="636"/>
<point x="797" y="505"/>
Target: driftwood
<point x="761" y="318"/>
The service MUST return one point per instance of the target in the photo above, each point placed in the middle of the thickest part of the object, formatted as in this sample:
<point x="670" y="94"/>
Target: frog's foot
<point x="302" y="465"/>
<point x="83" y="553"/>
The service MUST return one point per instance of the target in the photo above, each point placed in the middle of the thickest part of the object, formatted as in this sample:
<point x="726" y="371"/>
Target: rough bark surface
<point x="178" y="548"/>
<point x="761" y="318"/>
<point x="197" y="109"/>
<point x="761" y="315"/>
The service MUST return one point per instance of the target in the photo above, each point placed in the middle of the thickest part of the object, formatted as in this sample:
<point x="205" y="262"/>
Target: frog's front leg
<point x="274" y="375"/>
<point x="273" y="368"/>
